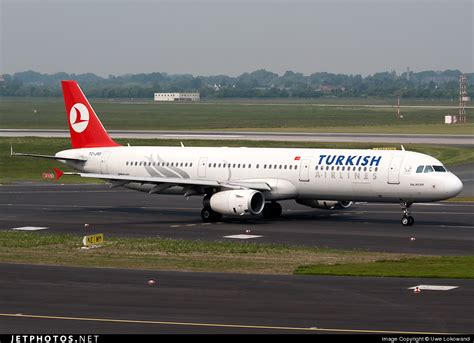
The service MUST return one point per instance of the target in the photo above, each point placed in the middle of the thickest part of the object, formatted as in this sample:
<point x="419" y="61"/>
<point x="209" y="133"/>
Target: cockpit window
<point x="439" y="168"/>
<point x="420" y="169"/>
<point x="428" y="169"/>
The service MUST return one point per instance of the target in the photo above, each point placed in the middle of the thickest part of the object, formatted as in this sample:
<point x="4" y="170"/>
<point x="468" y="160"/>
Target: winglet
<point x="403" y="148"/>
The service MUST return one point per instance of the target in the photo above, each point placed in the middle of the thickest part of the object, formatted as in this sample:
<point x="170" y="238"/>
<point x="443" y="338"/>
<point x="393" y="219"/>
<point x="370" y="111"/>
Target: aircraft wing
<point x="121" y="180"/>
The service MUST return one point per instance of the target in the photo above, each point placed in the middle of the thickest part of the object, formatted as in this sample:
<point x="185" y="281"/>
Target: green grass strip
<point x="171" y="254"/>
<point x="417" y="267"/>
<point x="223" y="256"/>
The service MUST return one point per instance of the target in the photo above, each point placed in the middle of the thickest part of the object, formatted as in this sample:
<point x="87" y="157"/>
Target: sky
<point x="210" y="37"/>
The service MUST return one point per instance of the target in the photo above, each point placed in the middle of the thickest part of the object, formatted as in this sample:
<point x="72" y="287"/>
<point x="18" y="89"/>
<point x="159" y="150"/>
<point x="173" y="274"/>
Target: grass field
<point x="25" y="168"/>
<point x="298" y="116"/>
<point x="427" y="267"/>
<point x="221" y="256"/>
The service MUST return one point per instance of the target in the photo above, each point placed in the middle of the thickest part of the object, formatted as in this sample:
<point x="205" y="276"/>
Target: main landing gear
<point x="272" y="210"/>
<point x="407" y="220"/>
<point x="207" y="214"/>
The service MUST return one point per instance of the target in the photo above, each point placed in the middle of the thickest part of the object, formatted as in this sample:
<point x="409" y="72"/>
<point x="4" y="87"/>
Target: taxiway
<point x="440" y="228"/>
<point x="48" y="299"/>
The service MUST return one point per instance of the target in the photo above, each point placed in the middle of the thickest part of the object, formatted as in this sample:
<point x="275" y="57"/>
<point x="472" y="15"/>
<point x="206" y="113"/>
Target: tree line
<point x="258" y="84"/>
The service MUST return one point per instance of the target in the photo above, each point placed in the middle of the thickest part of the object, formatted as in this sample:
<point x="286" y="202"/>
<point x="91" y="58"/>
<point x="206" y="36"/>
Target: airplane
<point x="251" y="181"/>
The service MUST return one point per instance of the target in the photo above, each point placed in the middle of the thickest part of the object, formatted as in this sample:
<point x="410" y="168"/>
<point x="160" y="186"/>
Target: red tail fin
<point x="84" y="125"/>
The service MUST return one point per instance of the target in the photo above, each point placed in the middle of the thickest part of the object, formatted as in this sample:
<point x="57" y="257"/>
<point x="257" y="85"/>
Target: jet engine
<point x="237" y="202"/>
<point x="325" y="204"/>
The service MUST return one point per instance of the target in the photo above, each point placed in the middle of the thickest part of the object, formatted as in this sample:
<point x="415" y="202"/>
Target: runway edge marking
<point x="216" y="325"/>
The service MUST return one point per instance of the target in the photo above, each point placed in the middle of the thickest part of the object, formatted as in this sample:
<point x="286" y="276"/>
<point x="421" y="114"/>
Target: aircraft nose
<point x="454" y="186"/>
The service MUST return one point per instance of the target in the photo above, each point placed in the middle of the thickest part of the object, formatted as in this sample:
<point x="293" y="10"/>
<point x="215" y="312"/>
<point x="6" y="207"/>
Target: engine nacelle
<point x="237" y="202"/>
<point x="325" y="204"/>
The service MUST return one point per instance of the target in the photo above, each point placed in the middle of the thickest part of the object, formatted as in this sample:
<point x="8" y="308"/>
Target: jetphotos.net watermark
<point x="53" y="339"/>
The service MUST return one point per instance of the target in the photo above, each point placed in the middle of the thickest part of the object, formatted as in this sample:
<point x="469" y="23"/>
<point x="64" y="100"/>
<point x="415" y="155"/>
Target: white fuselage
<point x="329" y="174"/>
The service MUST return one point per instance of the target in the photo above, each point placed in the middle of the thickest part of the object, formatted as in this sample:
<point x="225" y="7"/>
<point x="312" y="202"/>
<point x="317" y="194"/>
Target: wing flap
<point x="121" y="180"/>
<point x="258" y="186"/>
<point x="152" y="179"/>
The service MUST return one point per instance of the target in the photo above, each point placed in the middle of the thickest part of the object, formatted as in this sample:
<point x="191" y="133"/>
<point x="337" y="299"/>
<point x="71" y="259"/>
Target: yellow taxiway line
<point x="216" y="325"/>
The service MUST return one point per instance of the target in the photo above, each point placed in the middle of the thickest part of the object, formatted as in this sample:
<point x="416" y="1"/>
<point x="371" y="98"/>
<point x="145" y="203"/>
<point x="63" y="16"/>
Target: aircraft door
<point x="304" y="170"/>
<point x="202" y="167"/>
<point x="394" y="170"/>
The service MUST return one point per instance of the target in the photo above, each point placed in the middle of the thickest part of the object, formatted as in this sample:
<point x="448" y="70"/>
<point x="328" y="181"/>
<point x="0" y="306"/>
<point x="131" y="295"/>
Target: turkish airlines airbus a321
<point x="251" y="181"/>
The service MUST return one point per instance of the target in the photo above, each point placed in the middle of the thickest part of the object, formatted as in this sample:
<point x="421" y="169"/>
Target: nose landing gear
<point x="407" y="220"/>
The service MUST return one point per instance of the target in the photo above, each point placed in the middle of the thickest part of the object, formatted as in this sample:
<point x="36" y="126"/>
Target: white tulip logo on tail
<point x="79" y="117"/>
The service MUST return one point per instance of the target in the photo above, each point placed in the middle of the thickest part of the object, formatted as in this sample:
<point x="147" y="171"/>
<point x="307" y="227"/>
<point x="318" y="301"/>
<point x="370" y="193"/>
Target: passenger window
<point x="428" y="169"/>
<point x="420" y="169"/>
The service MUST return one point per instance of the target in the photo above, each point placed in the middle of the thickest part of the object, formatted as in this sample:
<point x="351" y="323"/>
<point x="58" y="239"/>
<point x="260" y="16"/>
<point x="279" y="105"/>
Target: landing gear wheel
<point x="407" y="220"/>
<point x="209" y="216"/>
<point x="272" y="210"/>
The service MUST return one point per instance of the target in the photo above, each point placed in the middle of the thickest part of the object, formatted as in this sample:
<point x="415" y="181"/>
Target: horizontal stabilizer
<point x="12" y="153"/>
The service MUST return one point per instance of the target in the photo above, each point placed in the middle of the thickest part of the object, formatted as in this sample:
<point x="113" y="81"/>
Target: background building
<point x="176" y="96"/>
